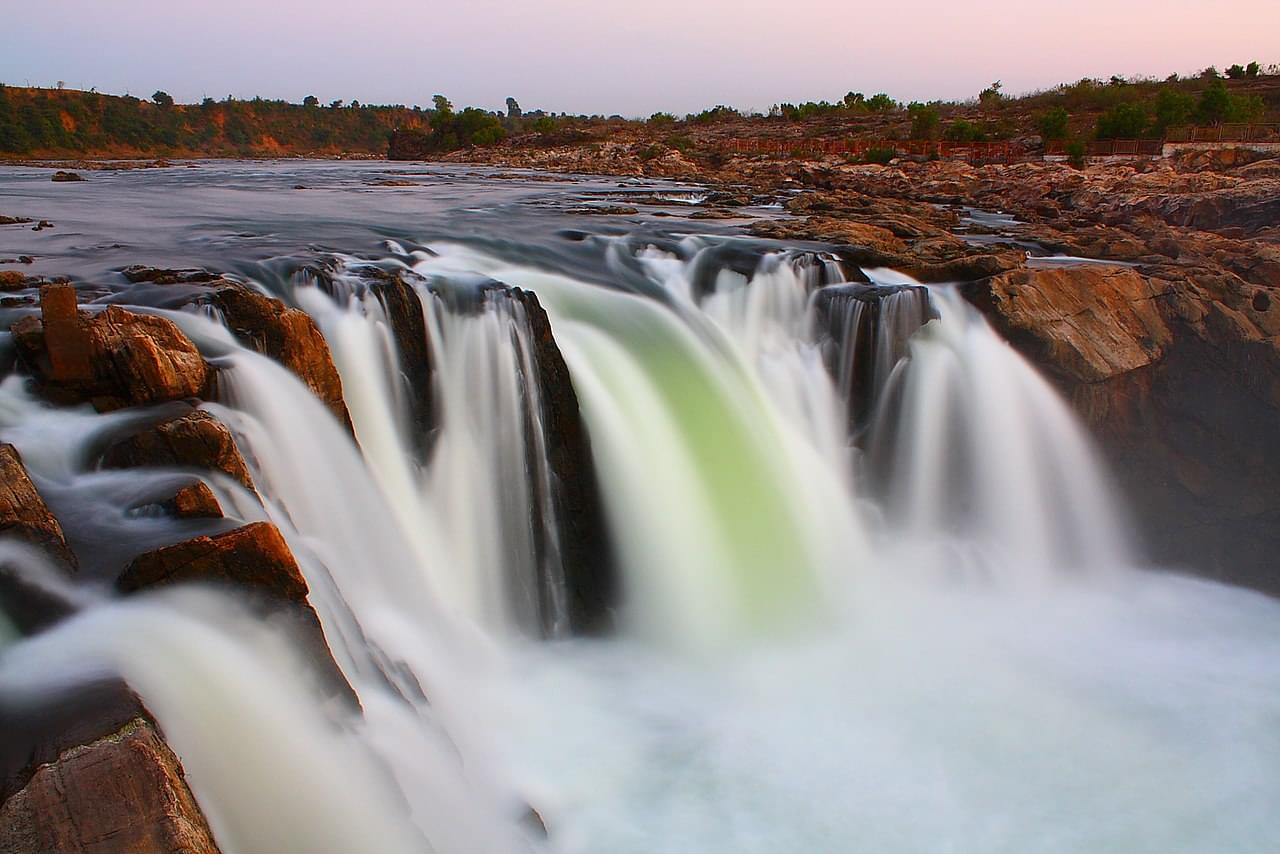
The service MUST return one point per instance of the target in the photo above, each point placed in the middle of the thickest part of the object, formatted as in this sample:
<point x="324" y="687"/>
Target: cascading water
<point x="915" y="625"/>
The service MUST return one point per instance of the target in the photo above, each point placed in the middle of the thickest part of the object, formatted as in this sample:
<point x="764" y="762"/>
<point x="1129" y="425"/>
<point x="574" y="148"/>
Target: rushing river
<point x="864" y="606"/>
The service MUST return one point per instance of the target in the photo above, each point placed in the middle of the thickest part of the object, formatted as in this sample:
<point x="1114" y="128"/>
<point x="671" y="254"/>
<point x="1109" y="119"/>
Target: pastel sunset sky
<point x="623" y="57"/>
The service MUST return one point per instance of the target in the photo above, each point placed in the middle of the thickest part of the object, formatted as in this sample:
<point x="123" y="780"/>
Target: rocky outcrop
<point x="585" y="547"/>
<point x="123" y="793"/>
<point x="23" y="513"/>
<point x="1174" y="370"/>
<point x="404" y="313"/>
<point x="112" y="359"/>
<point x="287" y="335"/>
<point x="196" y="440"/>
<point x="254" y="558"/>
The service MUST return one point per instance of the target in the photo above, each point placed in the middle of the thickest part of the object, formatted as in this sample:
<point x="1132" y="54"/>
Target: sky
<point x="609" y="56"/>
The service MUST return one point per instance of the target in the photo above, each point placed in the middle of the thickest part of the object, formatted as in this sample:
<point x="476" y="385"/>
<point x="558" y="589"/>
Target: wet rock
<point x="404" y="312"/>
<point x="586" y="549"/>
<point x="254" y="556"/>
<point x="124" y="792"/>
<point x="287" y="335"/>
<point x="61" y="176"/>
<point x="1174" y="370"/>
<point x="195" y="501"/>
<point x="112" y="359"/>
<point x="14" y="220"/>
<point x="23" y="513"/>
<point x="156" y="275"/>
<point x="197" y="440"/>
<point x="12" y="280"/>
<point x="257" y="559"/>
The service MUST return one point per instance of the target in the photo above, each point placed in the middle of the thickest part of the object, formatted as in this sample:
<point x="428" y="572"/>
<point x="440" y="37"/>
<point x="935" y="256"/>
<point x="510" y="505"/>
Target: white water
<point x="962" y="660"/>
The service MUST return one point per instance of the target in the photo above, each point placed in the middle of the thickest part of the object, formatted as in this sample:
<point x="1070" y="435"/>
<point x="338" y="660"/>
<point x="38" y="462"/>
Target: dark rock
<point x="404" y="312"/>
<point x="123" y="793"/>
<point x="139" y="273"/>
<point x="1175" y="375"/>
<point x="197" y="440"/>
<point x="112" y="359"/>
<point x="61" y="176"/>
<point x="586" y="549"/>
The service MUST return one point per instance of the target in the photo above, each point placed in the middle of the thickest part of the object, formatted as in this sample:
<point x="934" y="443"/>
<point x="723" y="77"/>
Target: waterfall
<point x="875" y="587"/>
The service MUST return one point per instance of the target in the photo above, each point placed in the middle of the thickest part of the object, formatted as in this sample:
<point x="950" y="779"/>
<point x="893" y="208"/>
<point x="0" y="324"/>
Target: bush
<point x="924" y="120"/>
<point x="990" y="97"/>
<point x="1076" y="151"/>
<point x="1173" y="108"/>
<point x="1054" y="124"/>
<point x="881" y="103"/>
<point x="662" y="119"/>
<point x="965" y="131"/>
<point x="879" y="155"/>
<point x="1123" y="121"/>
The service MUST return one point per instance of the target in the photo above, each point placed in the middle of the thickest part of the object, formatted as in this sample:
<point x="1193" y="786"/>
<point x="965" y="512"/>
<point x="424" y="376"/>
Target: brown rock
<point x="12" y="280"/>
<point x="196" y="501"/>
<point x="125" y="793"/>
<point x="112" y="359"/>
<point x="23" y="513"/>
<point x="197" y="440"/>
<point x="253" y="556"/>
<point x="287" y="335"/>
<point x="256" y="557"/>
<point x="1089" y="323"/>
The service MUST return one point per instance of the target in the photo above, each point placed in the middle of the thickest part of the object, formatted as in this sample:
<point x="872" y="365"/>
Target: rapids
<point x="896" y="608"/>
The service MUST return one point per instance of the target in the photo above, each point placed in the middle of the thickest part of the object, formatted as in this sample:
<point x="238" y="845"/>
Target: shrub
<point x="662" y="119"/>
<point x="924" y="120"/>
<point x="879" y="155"/>
<point x="163" y="99"/>
<point x="990" y="97"/>
<point x="881" y="103"/>
<point x="1123" y="121"/>
<point x="1076" y="151"/>
<point x="965" y="131"/>
<point x="1173" y="108"/>
<point x="1054" y="123"/>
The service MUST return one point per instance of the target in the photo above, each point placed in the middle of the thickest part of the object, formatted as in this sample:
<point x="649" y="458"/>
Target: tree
<point x="513" y="109"/>
<point x="924" y="120"/>
<point x="311" y="101"/>
<point x="1054" y="124"/>
<point x="1173" y="108"/>
<point x="442" y="105"/>
<point x="336" y="105"/>
<point x="855" y="101"/>
<point x="1252" y="70"/>
<point x="990" y="97"/>
<point x="1214" y="104"/>
<point x="164" y="99"/>
<point x="880" y="103"/>
<point x="1236" y="72"/>
<point x="1123" y="121"/>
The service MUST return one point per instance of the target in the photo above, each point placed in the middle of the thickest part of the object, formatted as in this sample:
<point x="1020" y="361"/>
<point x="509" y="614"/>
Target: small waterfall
<point x="977" y="456"/>
<point x="490" y="480"/>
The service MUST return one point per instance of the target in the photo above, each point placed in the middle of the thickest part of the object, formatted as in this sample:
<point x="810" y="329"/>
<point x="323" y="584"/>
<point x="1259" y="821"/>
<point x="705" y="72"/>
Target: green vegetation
<point x="1123" y="121"/>
<point x="69" y="122"/>
<point x="1054" y="124"/>
<point x="924" y="120"/>
<point x="879" y="155"/>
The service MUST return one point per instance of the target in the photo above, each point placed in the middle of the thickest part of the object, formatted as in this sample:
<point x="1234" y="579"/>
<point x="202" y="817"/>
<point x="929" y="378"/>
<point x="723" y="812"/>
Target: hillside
<point x="51" y="123"/>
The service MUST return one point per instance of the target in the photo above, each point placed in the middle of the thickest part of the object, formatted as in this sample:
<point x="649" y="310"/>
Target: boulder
<point x="112" y="359"/>
<point x="124" y="792"/>
<point x="61" y="177"/>
<point x="23" y="513"/>
<point x="195" y="501"/>
<point x="255" y="558"/>
<point x="287" y="335"/>
<point x="196" y="440"/>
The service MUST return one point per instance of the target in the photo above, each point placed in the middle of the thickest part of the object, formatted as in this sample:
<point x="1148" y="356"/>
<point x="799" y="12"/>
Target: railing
<point x="1111" y="148"/>
<point x="971" y="151"/>
<point x="1226" y="133"/>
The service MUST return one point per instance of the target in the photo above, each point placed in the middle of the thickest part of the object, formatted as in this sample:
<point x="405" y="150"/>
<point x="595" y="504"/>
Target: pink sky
<point x="632" y="58"/>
